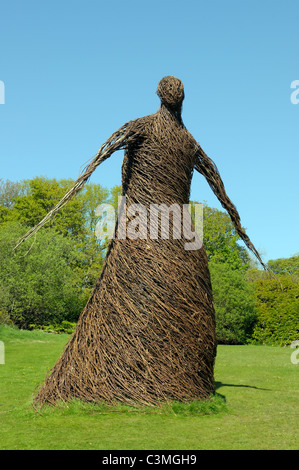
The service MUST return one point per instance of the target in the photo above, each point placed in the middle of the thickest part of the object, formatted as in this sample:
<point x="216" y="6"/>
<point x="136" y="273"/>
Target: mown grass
<point x="216" y="404"/>
<point x="256" y="405"/>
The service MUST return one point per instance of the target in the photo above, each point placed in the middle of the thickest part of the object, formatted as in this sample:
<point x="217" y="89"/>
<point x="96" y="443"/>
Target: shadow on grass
<point x="220" y="384"/>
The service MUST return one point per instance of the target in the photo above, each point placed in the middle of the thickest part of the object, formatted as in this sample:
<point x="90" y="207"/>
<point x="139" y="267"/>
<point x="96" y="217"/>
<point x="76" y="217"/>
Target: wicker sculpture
<point x="147" y="333"/>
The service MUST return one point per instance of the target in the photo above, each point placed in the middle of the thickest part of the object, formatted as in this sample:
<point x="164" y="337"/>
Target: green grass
<point x="256" y="405"/>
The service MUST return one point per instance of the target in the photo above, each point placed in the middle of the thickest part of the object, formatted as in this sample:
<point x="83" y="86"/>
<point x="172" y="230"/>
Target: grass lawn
<point x="259" y="383"/>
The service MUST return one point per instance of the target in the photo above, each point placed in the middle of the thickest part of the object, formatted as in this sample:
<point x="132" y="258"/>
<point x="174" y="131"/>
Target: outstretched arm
<point x="116" y="141"/>
<point x="208" y="169"/>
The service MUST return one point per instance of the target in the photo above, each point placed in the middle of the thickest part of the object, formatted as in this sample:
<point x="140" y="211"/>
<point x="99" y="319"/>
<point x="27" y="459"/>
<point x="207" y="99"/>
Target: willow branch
<point x="208" y="169"/>
<point x="118" y="140"/>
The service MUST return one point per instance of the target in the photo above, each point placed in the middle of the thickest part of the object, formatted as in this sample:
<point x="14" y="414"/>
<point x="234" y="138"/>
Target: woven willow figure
<point x="147" y="333"/>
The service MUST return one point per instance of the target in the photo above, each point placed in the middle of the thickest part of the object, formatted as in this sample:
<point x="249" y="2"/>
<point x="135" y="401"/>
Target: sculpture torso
<point x="158" y="165"/>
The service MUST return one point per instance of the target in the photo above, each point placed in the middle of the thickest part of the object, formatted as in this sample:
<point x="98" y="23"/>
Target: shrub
<point x="234" y="304"/>
<point x="40" y="283"/>
<point x="5" y="318"/>
<point x="277" y="309"/>
<point x="63" y="327"/>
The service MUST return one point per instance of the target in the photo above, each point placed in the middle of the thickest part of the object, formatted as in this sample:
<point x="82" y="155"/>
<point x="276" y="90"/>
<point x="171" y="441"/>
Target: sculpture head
<point x="171" y="92"/>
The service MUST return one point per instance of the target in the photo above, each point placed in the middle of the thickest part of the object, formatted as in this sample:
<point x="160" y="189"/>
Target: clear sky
<point x="75" y="71"/>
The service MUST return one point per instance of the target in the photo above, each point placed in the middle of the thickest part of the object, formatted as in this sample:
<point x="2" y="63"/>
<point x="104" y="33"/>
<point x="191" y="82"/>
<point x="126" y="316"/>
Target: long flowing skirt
<point x="147" y="333"/>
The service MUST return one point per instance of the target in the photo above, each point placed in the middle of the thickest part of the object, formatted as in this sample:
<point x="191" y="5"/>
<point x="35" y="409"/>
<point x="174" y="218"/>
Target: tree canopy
<point x="50" y="278"/>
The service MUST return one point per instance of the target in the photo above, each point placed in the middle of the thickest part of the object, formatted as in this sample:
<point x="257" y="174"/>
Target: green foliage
<point x="41" y="283"/>
<point x="286" y="265"/>
<point x="93" y="250"/>
<point x="39" y="195"/>
<point x="278" y="310"/>
<point x="115" y="193"/>
<point x="67" y="260"/>
<point x="52" y="282"/>
<point x="38" y="198"/>
<point x="63" y="327"/>
<point x="5" y="318"/>
<point x="220" y="238"/>
<point x="234" y="304"/>
<point x="9" y="190"/>
<point x="228" y="262"/>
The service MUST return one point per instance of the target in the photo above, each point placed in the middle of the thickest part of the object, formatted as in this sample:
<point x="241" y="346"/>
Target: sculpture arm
<point x="118" y="140"/>
<point x="208" y="169"/>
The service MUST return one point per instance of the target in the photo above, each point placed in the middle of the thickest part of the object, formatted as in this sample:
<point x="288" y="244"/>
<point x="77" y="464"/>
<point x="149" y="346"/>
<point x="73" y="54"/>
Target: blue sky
<point x="75" y="71"/>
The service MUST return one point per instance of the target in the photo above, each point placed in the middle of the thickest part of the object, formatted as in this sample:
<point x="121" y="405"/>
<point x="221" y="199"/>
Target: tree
<point x="221" y="240"/>
<point x="234" y="304"/>
<point x="277" y="310"/>
<point x="74" y="233"/>
<point x="39" y="196"/>
<point x="277" y="301"/>
<point x="76" y="221"/>
<point x="9" y="190"/>
<point x="286" y="265"/>
<point x="228" y="262"/>
<point x="115" y="193"/>
<point x="94" y="249"/>
<point x="40" y="284"/>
